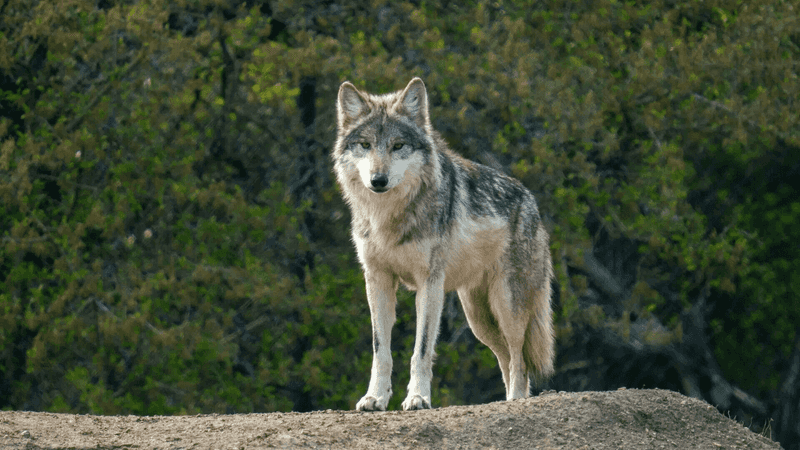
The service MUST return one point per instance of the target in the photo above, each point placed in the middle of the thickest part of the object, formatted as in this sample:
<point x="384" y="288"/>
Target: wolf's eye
<point x="365" y="145"/>
<point x="398" y="146"/>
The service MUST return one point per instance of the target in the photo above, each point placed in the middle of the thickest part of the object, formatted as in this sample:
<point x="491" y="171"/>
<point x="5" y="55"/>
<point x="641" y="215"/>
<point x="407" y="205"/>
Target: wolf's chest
<point x="462" y="256"/>
<point x="410" y="261"/>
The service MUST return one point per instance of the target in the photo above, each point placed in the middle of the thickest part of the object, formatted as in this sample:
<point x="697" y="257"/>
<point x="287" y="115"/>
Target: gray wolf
<point x="436" y="222"/>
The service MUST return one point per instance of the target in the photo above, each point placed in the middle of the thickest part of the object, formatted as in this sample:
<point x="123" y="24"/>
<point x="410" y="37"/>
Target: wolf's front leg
<point x="430" y="300"/>
<point x="381" y="290"/>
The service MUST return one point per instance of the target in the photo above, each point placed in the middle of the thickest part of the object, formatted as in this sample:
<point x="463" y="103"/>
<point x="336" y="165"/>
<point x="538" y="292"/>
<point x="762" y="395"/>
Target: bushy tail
<point x="539" y="348"/>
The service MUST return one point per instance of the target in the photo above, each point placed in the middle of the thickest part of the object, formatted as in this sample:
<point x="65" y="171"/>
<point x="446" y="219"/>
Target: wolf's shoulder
<point x="471" y="168"/>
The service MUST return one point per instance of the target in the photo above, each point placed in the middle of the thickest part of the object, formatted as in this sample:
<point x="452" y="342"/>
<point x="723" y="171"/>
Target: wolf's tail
<point x="538" y="351"/>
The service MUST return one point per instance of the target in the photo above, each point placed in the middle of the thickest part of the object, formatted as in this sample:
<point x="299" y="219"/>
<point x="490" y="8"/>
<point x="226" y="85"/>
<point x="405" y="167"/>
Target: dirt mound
<point x="630" y="419"/>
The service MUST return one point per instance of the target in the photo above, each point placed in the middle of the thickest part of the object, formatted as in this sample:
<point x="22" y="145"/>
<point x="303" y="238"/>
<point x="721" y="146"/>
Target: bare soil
<point x="629" y="419"/>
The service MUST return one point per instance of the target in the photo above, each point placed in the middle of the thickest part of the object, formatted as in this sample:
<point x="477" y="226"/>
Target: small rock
<point x="26" y="434"/>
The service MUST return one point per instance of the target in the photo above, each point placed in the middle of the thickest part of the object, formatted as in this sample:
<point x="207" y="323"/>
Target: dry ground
<point x="627" y="419"/>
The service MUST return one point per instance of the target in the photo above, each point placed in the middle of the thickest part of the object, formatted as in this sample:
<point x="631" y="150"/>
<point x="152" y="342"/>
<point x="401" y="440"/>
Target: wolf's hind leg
<point x="512" y="320"/>
<point x="484" y="326"/>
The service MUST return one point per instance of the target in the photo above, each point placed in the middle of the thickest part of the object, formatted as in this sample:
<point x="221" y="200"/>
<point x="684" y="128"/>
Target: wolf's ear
<point x="350" y="105"/>
<point x="414" y="102"/>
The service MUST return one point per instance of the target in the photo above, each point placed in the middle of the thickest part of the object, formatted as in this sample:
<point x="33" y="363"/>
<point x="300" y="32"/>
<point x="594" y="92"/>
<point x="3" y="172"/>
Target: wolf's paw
<point x="370" y="403"/>
<point x="416" y="401"/>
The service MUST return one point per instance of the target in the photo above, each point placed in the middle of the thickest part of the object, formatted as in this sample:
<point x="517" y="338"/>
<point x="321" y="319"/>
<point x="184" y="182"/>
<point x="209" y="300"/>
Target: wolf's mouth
<point x="378" y="190"/>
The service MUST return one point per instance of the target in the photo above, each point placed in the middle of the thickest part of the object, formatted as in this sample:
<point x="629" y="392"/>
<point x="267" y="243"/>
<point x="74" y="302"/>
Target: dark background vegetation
<point x="173" y="241"/>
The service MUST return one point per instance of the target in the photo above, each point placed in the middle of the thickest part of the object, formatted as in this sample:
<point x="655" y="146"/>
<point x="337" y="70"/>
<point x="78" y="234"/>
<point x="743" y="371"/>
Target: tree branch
<point x="601" y="276"/>
<point x="696" y="347"/>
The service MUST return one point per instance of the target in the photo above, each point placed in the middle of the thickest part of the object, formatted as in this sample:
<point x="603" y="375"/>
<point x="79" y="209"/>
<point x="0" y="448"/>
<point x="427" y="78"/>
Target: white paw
<point x="416" y="401"/>
<point x="371" y="403"/>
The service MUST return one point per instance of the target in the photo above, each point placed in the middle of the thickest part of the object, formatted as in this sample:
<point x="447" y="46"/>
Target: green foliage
<point x="173" y="241"/>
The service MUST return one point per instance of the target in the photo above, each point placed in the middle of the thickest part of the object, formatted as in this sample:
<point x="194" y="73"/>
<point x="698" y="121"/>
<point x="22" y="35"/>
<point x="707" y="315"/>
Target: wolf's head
<point x="383" y="141"/>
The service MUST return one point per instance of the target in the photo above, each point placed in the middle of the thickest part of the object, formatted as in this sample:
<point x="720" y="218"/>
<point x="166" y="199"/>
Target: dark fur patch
<point x="424" y="343"/>
<point x="376" y="344"/>
<point x="408" y="236"/>
<point x="490" y="188"/>
<point x="448" y="188"/>
<point x="514" y="220"/>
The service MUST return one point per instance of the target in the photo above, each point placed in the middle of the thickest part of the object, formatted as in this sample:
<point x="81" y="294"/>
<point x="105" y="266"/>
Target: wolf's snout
<point x="379" y="181"/>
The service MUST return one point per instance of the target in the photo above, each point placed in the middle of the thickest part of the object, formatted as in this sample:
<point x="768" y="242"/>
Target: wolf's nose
<point x="379" y="180"/>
